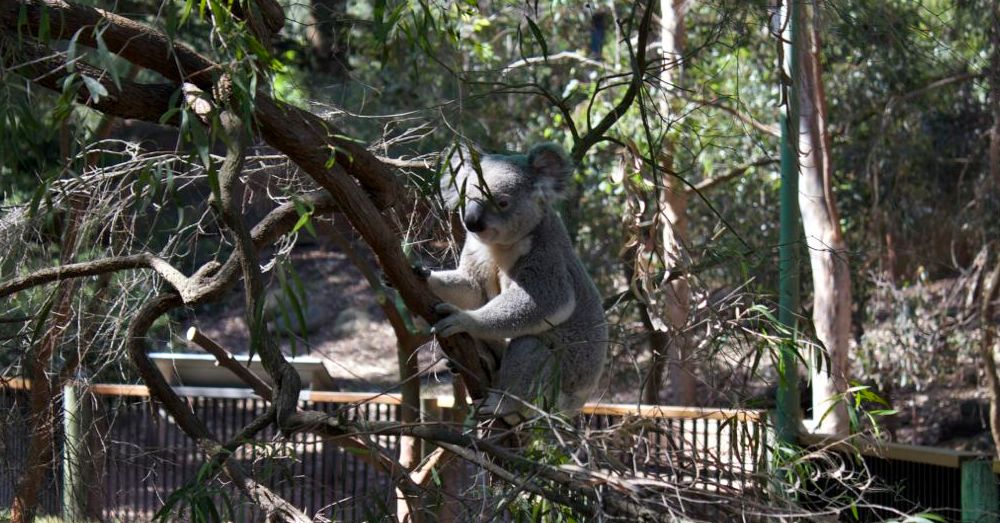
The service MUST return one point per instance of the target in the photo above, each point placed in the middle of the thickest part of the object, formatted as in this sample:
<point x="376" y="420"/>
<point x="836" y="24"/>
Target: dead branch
<point x="226" y="359"/>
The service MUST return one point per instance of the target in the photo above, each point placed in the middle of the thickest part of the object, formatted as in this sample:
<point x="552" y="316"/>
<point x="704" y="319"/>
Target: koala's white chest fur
<point x="494" y="263"/>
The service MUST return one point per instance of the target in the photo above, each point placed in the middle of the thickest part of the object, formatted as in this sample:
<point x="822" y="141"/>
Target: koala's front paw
<point x="420" y="271"/>
<point x="455" y="321"/>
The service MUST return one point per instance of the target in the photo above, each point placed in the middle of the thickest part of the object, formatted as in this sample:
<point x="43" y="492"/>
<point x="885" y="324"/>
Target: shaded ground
<point x="344" y="323"/>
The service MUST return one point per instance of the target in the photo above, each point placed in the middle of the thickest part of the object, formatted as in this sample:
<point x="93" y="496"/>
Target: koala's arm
<point x="539" y="297"/>
<point x="457" y="288"/>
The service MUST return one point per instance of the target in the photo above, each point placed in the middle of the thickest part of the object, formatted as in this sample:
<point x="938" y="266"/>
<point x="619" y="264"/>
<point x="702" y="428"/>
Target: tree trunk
<point x="991" y="283"/>
<point x="407" y="344"/>
<point x="44" y="388"/>
<point x="994" y="76"/>
<point x="673" y="200"/>
<point x="827" y="250"/>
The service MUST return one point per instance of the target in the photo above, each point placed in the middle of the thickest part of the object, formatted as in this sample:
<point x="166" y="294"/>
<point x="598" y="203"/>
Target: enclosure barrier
<point x="141" y="457"/>
<point x="911" y="479"/>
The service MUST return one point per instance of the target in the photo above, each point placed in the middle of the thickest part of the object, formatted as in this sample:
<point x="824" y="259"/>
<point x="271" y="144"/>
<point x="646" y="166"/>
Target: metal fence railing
<point x="141" y="457"/>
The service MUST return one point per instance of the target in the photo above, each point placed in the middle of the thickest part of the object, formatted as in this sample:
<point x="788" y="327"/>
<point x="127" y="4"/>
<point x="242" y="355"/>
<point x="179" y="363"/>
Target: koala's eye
<point x="503" y="204"/>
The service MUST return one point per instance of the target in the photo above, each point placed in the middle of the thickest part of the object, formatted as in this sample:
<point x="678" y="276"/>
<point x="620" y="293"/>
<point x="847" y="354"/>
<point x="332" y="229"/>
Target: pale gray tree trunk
<point x="831" y="275"/>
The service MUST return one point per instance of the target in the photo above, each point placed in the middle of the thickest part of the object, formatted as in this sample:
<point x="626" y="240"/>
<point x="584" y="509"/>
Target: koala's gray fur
<point x="519" y="286"/>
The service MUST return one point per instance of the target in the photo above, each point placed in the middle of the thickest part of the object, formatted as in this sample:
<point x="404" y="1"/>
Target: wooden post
<point x="74" y="442"/>
<point x="430" y="410"/>
<point x="453" y="472"/>
<point x="979" y="492"/>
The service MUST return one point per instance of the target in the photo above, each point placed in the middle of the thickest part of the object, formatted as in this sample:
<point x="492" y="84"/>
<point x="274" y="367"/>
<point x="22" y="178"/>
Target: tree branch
<point x="712" y="182"/>
<point x="595" y="134"/>
<point x="50" y="69"/>
<point x="770" y="130"/>
<point x="226" y="359"/>
<point x="131" y="40"/>
<point x="565" y="56"/>
<point x="306" y="139"/>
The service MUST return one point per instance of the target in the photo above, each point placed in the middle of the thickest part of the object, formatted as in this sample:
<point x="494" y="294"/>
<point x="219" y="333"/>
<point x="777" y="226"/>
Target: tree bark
<point x="994" y="100"/>
<point x="44" y="387"/>
<point x="831" y="275"/>
<point x="991" y="284"/>
<point x="673" y="203"/>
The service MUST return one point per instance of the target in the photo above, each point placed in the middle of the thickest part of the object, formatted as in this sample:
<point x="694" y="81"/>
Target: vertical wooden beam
<point x="74" y="502"/>
<point x="431" y="412"/>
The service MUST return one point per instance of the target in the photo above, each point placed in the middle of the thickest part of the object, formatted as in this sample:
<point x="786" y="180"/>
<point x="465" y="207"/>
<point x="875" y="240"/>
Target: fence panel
<point x="690" y="447"/>
<point x="143" y="458"/>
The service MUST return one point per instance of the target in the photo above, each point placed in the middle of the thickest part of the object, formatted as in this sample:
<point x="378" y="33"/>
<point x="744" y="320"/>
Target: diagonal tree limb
<point x="276" y="507"/>
<point x="308" y="141"/>
<point x="226" y="359"/>
<point x="49" y="69"/>
<point x="709" y="183"/>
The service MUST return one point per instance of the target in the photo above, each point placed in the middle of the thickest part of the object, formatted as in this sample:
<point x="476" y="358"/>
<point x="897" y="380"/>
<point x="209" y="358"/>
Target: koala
<point x="519" y="287"/>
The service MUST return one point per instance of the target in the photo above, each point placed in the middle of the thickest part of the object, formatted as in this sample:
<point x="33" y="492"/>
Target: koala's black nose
<point x="473" y="218"/>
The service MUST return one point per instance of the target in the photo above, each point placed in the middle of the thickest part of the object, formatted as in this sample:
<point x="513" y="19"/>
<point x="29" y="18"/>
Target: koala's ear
<point x="457" y="172"/>
<point x="551" y="167"/>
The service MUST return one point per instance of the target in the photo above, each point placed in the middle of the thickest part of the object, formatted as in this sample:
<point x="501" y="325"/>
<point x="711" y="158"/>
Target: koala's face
<point x="507" y="196"/>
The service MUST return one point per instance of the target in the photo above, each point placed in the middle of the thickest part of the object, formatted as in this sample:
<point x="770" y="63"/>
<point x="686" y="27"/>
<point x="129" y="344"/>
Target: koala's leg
<point x="456" y="288"/>
<point x="528" y="374"/>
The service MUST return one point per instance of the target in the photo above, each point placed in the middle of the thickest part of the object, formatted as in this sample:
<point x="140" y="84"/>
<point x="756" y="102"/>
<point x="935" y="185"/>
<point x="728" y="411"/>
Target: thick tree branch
<point x="286" y="379"/>
<point x="305" y="138"/>
<point x="149" y="48"/>
<point x="131" y="40"/>
<point x="50" y="69"/>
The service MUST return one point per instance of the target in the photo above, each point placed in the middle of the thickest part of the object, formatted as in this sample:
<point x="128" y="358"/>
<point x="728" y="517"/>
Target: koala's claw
<point x="420" y="271"/>
<point x="446" y="309"/>
<point x="454" y="320"/>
